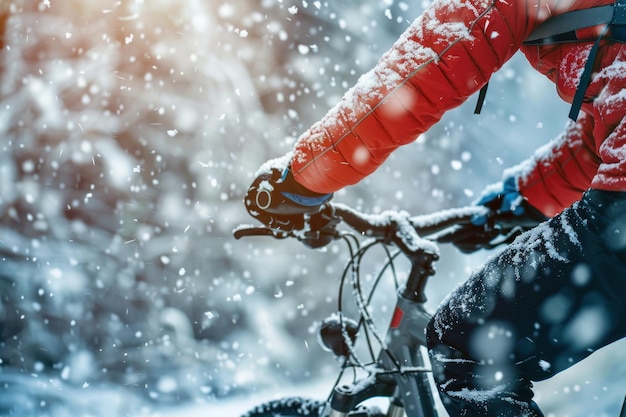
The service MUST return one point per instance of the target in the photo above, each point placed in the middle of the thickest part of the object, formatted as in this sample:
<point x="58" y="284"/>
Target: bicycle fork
<point x="400" y="373"/>
<point x="405" y="340"/>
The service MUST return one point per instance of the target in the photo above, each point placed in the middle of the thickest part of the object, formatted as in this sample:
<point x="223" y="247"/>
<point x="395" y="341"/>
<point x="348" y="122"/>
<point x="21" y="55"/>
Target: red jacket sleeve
<point x="445" y="56"/>
<point x="561" y="171"/>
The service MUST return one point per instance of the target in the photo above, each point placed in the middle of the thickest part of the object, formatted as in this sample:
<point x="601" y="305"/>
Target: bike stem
<point x="421" y="269"/>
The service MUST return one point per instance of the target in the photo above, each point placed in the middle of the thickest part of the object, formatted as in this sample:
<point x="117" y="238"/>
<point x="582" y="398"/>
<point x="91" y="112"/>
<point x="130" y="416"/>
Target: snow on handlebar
<point x="407" y="230"/>
<point x="391" y="226"/>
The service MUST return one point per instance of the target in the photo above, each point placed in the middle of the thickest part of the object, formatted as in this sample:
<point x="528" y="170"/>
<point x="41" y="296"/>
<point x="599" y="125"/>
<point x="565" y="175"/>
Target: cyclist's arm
<point x="559" y="173"/>
<point x="444" y="57"/>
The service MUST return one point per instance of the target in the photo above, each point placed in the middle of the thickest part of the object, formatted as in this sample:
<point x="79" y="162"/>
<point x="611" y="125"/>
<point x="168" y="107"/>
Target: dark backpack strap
<point x="619" y="17"/>
<point x="481" y="98"/>
<point x="617" y="25"/>
<point x="560" y="28"/>
<point x="585" y="79"/>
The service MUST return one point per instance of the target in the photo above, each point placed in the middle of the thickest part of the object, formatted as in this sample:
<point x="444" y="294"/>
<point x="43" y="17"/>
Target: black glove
<point x="279" y="202"/>
<point x="509" y="214"/>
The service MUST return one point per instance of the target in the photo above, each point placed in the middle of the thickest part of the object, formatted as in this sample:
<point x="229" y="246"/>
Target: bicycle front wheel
<point x="303" y="407"/>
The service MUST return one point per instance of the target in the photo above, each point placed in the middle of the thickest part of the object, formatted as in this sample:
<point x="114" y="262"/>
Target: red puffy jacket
<point x="444" y="57"/>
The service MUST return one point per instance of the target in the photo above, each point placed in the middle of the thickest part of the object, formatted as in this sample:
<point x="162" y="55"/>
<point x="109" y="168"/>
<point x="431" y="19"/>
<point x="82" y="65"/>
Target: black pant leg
<point x="546" y="302"/>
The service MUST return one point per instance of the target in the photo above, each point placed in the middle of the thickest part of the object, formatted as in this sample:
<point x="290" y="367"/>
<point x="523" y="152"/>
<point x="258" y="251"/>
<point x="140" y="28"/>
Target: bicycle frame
<point x="409" y="389"/>
<point x="399" y="371"/>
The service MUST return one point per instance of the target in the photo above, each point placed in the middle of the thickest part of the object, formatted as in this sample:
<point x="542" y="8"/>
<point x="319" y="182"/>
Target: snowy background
<point x="130" y="132"/>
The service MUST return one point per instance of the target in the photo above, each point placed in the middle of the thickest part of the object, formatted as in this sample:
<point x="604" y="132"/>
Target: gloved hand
<point x="508" y="211"/>
<point x="279" y="202"/>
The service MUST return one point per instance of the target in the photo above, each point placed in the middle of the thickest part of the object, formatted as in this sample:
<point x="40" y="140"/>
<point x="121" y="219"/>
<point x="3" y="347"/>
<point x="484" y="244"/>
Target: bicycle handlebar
<point x="424" y="225"/>
<point x="389" y="226"/>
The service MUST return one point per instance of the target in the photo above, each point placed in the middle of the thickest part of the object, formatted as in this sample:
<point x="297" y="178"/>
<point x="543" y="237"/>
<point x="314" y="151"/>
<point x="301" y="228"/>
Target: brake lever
<point x="244" y="231"/>
<point x="323" y="230"/>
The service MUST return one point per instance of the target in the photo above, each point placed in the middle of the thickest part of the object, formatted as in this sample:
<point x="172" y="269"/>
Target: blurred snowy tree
<point x="123" y="126"/>
<point x="130" y="131"/>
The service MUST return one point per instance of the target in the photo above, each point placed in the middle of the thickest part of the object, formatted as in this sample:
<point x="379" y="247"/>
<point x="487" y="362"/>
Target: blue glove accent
<point x="479" y="220"/>
<point x="307" y="201"/>
<point x="303" y="200"/>
<point x="511" y="200"/>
